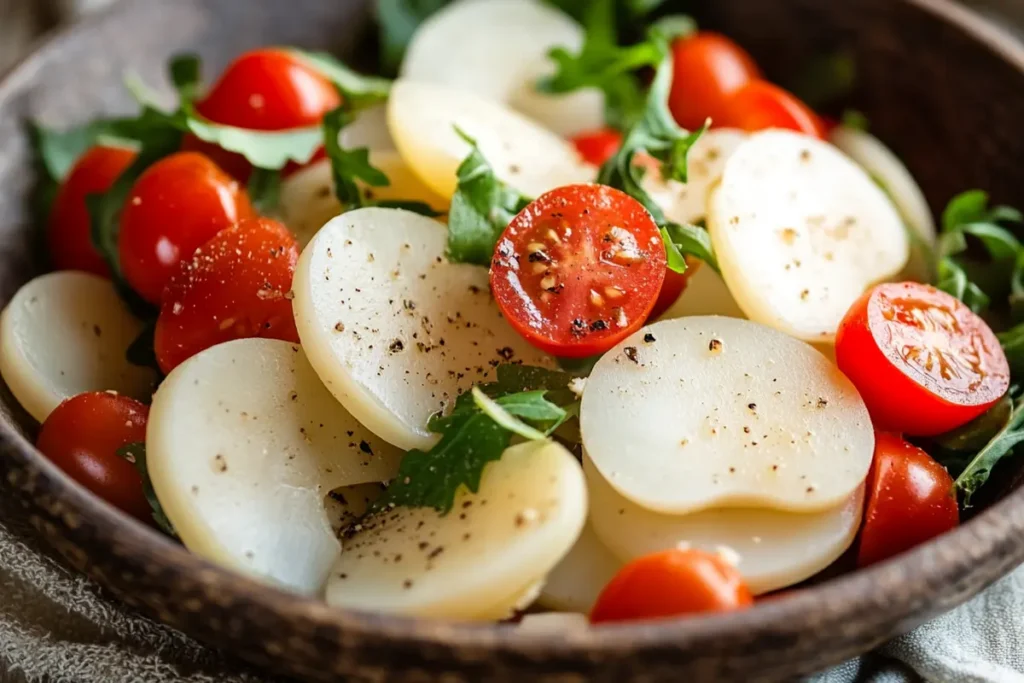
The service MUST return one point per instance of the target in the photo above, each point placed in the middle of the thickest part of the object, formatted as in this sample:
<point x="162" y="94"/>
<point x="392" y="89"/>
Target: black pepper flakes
<point x="649" y="338"/>
<point x="631" y="354"/>
<point x="396" y="346"/>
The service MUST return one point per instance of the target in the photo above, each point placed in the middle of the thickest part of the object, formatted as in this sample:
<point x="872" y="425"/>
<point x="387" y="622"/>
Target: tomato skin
<point x="578" y="270"/>
<point x="910" y="500"/>
<point x="82" y="435"/>
<point x="760" y="105"/>
<point x="671" y="583"/>
<point x="69" y="230"/>
<point x="234" y="287"/>
<point x="598" y="146"/>
<point x="673" y="287"/>
<point x="707" y="69"/>
<point x="889" y="337"/>
<point x="179" y="203"/>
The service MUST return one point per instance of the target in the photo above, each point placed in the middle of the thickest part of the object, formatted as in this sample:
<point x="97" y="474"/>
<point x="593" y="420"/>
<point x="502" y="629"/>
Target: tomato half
<point x="922" y="361"/>
<point x="760" y="105"/>
<point x="910" y="500"/>
<point x="578" y="269"/>
<point x="69" y="234"/>
<point x="82" y="435"/>
<point x="707" y="69"/>
<point x="234" y="287"/>
<point x="598" y="146"/>
<point x="179" y="203"/>
<point x="671" y="583"/>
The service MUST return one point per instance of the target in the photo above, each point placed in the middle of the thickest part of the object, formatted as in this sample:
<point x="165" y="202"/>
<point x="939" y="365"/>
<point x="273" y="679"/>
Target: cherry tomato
<point x="671" y="583"/>
<point x="578" y="270"/>
<point x="673" y="287"/>
<point x="598" y="146"/>
<point x="760" y="105"/>
<point x="922" y="361"/>
<point x="234" y="287"/>
<point x="910" y="500"/>
<point x="82" y="435"/>
<point x="708" y="68"/>
<point x="179" y="203"/>
<point x="69" y="234"/>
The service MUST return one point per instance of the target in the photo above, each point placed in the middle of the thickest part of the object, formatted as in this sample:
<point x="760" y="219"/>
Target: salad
<point x="577" y="313"/>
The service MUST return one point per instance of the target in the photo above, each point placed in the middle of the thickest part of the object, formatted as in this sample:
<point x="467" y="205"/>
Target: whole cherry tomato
<point x="707" y="69"/>
<point x="910" y="500"/>
<point x="69" y="233"/>
<point x="671" y="583"/>
<point x="673" y="287"/>
<point x="176" y="205"/>
<point x="597" y="147"/>
<point x="922" y="361"/>
<point x="235" y="286"/>
<point x="82" y="436"/>
<point x="760" y="105"/>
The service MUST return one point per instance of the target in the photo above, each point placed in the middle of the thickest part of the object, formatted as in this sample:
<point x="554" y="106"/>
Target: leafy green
<point x="358" y="90"/>
<point x="264" y="190"/>
<point x="135" y="453"/>
<point x="855" y="119"/>
<point x="397" y="20"/>
<point x="504" y="411"/>
<point x="953" y="280"/>
<point x="348" y="167"/>
<point x="973" y="436"/>
<point x="681" y="240"/>
<point x="186" y="76"/>
<point x="141" y="351"/>
<point x="978" y="469"/>
<point x="1012" y="341"/>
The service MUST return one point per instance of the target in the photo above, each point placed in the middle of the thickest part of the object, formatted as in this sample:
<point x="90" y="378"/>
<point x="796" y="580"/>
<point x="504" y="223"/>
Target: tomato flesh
<point x="578" y="270"/>
<point x="759" y="105"/>
<point x="671" y="583"/>
<point x="910" y="500"/>
<point x="707" y="69"/>
<point x="597" y="147"/>
<point x="234" y="287"/>
<point x="922" y="361"/>
<point x="82" y="435"/>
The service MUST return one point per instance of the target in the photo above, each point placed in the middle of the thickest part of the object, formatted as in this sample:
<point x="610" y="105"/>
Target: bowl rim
<point x="988" y="534"/>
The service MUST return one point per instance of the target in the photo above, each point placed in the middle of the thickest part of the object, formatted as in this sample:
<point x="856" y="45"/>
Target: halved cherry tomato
<point x="598" y="146"/>
<point x="707" y="69"/>
<point x="234" y="287"/>
<point x="922" y="361"/>
<point x="69" y="231"/>
<point x="673" y="287"/>
<point x="671" y="583"/>
<point x="760" y="105"/>
<point x="179" y="203"/>
<point x="910" y="500"/>
<point x="82" y="435"/>
<point x="578" y="269"/>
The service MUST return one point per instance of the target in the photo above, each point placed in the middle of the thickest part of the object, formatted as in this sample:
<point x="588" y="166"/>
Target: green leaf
<point x="1000" y="446"/>
<point x="59" y="150"/>
<point x="348" y="167"/>
<point x="972" y="437"/>
<point x="422" y="208"/>
<point x="826" y="79"/>
<point x="683" y="240"/>
<point x="1012" y="341"/>
<point x="397" y="21"/>
<point x="953" y="280"/>
<point x="505" y="416"/>
<point x="135" y="453"/>
<point x="855" y="119"/>
<point x="185" y="72"/>
<point x="968" y="207"/>
<point x="264" y="190"/>
<point x="263" y="149"/>
<point x="358" y="91"/>
<point x="141" y="351"/>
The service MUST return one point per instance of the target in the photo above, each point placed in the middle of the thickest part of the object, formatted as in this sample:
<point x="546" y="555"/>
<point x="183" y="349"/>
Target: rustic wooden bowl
<point x="939" y="84"/>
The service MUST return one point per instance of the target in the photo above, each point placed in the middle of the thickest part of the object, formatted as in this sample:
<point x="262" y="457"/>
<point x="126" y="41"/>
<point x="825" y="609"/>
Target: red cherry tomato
<point x="910" y="500"/>
<point x="69" y="231"/>
<point x="922" y="361"/>
<point x="597" y="147"/>
<point x="673" y="287"/>
<point x="578" y="269"/>
<point x="82" y="435"/>
<point x="760" y="105"/>
<point x="670" y="584"/>
<point x="179" y="203"/>
<point x="707" y="69"/>
<point x="234" y="287"/>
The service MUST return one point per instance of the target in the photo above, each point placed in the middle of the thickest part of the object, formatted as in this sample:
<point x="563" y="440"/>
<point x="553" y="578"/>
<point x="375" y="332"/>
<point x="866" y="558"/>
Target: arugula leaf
<point x="953" y="280"/>
<point x="1012" y="341"/>
<point x="264" y="190"/>
<point x="358" y="90"/>
<point x="186" y="76"/>
<point x="681" y="240"/>
<point x="397" y="21"/>
<point x="973" y="436"/>
<point x="348" y="166"/>
<point x="503" y="411"/>
<point x="135" y="453"/>
<point x="977" y="471"/>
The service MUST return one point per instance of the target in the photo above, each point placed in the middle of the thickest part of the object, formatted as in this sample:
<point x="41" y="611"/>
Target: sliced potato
<point x="702" y="412"/>
<point x="370" y="130"/>
<point x="347" y="504"/>
<point x="394" y="330"/>
<point x="574" y="584"/>
<point x="554" y="623"/>
<point x="66" y="333"/>
<point x="706" y="294"/>
<point x="477" y="561"/>
<point x="243" y="444"/>
<point x="801" y="232"/>
<point x="423" y="117"/>
<point x="776" y="549"/>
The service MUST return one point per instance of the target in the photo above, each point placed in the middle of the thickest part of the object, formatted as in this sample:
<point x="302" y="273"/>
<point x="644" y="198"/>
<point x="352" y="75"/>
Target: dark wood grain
<point x="938" y="84"/>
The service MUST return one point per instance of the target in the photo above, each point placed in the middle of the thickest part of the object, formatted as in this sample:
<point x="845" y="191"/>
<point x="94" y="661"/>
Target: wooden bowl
<point x="936" y="82"/>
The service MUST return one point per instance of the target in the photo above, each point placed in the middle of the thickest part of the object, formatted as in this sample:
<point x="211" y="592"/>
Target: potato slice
<point x="706" y="294"/>
<point x="475" y="562"/>
<point x="574" y="584"/>
<point x="370" y="130"/>
<point x="394" y="330"/>
<point x="243" y="444"/>
<point x="555" y="624"/>
<point x="66" y="333"/>
<point x="800" y="232"/>
<point x="776" y="549"/>
<point x="704" y="412"/>
<point x="422" y="118"/>
<point x="347" y="504"/>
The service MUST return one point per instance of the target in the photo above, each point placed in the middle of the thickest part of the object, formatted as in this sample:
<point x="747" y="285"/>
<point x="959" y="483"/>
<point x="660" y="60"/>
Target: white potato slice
<point x="394" y="330"/>
<point x="243" y="444"/>
<point x="706" y="294"/>
<point x="574" y="584"/>
<point x="554" y="624"/>
<point x="477" y="561"/>
<point x="422" y="118"/>
<point x="370" y="130"/>
<point x="568" y="114"/>
<point x="347" y="504"/>
<point x="704" y="412"/>
<point x="800" y="232"/>
<point x="775" y="549"/>
<point x="65" y="333"/>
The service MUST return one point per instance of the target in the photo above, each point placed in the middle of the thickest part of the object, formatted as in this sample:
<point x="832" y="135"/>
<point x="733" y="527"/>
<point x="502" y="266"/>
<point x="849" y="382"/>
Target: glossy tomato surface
<point x="597" y="147"/>
<point x="179" y="203"/>
<point x="235" y="286"/>
<point x="922" y="361"/>
<point x="69" y="233"/>
<point x="910" y="500"/>
<point x="578" y="270"/>
<point x="82" y="436"/>
<point x="707" y="69"/>
<point x="760" y="105"/>
<point x="673" y="287"/>
<point x="672" y="583"/>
